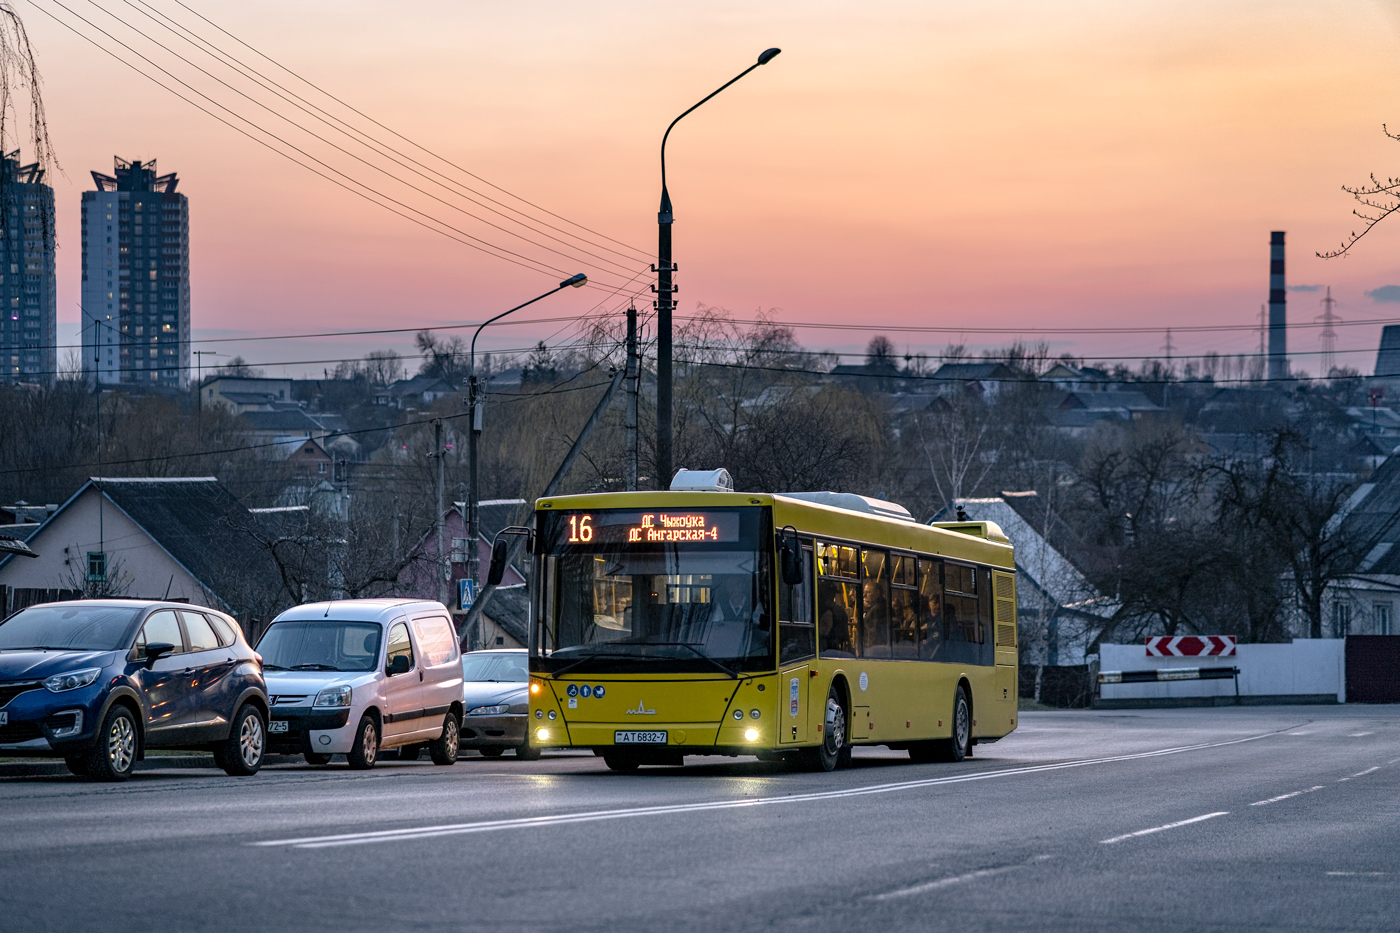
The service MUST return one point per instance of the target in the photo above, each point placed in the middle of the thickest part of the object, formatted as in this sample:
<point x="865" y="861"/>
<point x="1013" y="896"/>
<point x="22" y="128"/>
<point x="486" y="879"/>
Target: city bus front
<point x="652" y="630"/>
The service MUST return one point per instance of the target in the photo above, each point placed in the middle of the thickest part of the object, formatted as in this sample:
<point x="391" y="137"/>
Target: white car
<point x="356" y="677"/>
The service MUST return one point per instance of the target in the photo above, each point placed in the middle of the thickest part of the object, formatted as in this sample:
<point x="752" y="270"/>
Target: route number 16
<point x="580" y="528"/>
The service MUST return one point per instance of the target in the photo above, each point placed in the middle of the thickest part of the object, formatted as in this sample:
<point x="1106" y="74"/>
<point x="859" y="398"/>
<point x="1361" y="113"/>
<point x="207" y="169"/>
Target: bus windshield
<point x="631" y="590"/>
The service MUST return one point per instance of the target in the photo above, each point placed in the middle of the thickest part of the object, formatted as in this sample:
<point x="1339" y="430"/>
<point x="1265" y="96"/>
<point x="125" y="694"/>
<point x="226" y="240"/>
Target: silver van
<point x="356" y="677"/>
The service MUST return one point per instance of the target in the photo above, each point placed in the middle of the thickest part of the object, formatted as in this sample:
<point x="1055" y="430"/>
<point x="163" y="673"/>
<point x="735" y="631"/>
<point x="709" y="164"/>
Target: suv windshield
<point x="69" y="628"/>
<point x="682" y="590"/>
<point x="497" y="668"/>
<point x="320" y="645"/>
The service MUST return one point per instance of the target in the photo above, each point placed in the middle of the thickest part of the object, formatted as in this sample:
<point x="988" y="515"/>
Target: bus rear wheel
<point x="959" y="746"/>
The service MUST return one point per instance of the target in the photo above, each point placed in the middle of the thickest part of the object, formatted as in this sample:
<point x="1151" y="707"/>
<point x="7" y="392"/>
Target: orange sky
<point x="1006" y="164"/>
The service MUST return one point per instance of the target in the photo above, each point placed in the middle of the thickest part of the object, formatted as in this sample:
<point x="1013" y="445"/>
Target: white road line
<point x="1260" y="803"/>
<point x="1358" y="874"/>
<point x="1158" y="829"/>
<point x="588" y="816"/>
<point x="1366" y="772"/>
<point x="1357" y="735"/>
<point x="943" y="883"/>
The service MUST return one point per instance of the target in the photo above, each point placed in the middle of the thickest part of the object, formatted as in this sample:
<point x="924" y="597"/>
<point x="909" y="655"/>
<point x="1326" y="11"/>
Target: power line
<point x="360" y="159"/>
<point x="421" y="148"/>
<point x="369" y="193"/>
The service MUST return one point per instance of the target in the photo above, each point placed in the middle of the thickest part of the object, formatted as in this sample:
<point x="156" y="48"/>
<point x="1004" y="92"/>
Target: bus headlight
<point x="542" y="735"/>
<point x="751" y="735"/>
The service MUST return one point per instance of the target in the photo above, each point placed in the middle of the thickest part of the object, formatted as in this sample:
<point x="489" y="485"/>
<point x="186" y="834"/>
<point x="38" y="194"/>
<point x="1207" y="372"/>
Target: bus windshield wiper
<point x="694" y="650"/>
<point x="612" y="655"/>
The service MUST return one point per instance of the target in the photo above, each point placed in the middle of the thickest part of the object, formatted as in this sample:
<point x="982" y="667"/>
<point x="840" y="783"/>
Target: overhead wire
<point x="369" y="193"/>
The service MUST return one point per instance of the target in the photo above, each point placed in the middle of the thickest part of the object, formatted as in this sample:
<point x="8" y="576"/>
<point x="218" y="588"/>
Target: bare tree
<point x="1378" y="199"/>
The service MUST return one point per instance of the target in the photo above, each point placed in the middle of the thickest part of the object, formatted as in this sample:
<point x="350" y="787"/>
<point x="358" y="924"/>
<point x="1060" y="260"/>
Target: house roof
<point x="195" y="520"/>
<point x="1114" y="400"/>
<point x="510" y="609"/>
<point x="1038" y="562"/>
<point x="420" y="384"/>
<point x="973" y="371"/>
<point x="287" y="420"/>
<point x="1370" y="519"/>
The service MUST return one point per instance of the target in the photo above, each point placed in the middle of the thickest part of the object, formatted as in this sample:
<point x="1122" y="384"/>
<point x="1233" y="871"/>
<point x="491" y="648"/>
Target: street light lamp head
<point x="768" y="56"/>
<point x="577" y="281"/>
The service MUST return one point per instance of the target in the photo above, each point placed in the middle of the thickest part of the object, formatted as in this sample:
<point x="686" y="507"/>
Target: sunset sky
<point x="1015" y="164"/>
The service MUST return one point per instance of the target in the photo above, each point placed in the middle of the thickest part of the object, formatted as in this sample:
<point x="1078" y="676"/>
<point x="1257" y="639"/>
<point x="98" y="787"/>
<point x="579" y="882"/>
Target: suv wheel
<point x="241" y="754"/>
<point x="113" y="752"/>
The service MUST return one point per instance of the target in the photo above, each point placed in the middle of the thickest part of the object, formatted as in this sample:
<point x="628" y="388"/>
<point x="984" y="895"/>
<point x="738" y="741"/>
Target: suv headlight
<point x="489" y="710"/>
<point x="71" y="680"/>
<point x="339" y="695"/>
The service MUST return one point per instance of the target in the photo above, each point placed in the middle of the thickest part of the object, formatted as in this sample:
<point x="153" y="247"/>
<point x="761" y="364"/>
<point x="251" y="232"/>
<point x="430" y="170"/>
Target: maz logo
<point x="641" y="710"/>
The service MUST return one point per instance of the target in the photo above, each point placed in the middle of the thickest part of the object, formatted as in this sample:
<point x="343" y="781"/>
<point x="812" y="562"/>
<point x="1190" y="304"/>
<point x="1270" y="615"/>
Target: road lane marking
<point x="588" y="816"/>
<point x="1357" y="735"/>
<point x="1260" y="803"/>
<point x="1366" y="772"/>
<point x="1158" y="829"/>
<point x="943" y="883"/>
<point x="1358" y="874"/>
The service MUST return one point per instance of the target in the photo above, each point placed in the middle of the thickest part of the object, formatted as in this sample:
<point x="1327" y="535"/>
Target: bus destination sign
<point x="658" y="527"/>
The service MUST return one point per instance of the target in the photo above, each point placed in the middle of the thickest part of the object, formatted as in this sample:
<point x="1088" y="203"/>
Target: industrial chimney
<point x="1278" y="310"/>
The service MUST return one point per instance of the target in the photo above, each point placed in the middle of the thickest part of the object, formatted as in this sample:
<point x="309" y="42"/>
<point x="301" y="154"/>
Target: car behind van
<point x="358" y="677"/>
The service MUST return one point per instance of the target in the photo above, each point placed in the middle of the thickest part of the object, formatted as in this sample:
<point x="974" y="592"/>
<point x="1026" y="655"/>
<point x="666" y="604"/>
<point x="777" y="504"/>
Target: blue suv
<point x="98" y="682"/>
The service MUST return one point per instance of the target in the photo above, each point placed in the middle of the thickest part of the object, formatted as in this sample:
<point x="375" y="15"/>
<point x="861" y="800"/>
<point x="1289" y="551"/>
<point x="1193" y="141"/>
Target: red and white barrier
<point x="1190" y="646"/>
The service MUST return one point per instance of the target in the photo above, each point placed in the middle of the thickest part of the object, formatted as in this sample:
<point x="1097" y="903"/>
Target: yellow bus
<point x="703" y="621"/>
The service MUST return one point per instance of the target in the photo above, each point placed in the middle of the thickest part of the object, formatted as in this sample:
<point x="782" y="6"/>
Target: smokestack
<point x="1278" y="309"/>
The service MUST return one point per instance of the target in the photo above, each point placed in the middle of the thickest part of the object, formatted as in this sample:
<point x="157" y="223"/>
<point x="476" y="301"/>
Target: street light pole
<point x="665" y="289"/>
<point x="474" y="403"/>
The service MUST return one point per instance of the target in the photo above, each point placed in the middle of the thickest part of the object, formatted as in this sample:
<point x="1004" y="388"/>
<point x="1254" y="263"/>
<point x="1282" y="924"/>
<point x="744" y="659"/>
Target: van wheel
<point x="113" y="753"/>
<point x="959" y="746"/>
<point x="833" y="753"/>
<point x="241" y="754"/>
<point x="366" y="748"/>
<point x="443" y="749"/>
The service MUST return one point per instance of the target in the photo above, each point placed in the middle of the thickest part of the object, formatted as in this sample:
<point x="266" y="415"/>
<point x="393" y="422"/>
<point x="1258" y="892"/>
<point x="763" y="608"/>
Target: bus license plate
<point x="277" y="725"/>
<point x="639" y="738"/>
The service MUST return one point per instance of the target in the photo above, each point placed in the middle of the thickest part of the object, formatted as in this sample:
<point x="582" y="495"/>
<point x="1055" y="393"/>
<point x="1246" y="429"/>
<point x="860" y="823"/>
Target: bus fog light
<point x="539" y="714"/>
<point x="738" y="714"/>
<point x="552" y="714"/>
<point x="755" y="713"/>
<point x="751" y="735"/>
<point x="542" y="735"/>
<point x="535" y="687"/>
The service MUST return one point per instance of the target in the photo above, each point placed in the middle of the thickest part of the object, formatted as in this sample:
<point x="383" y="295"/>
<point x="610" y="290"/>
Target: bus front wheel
<point x="834" y="752"/>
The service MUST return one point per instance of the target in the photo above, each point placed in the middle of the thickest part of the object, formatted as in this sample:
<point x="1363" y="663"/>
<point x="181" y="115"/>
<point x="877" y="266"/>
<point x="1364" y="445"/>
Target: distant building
<point x="136" y="278"/>
<point x="984" y="380"/>
<point x="410" y="393"/>
<point x="237" y="394"/>
<point x="28" y="308"/>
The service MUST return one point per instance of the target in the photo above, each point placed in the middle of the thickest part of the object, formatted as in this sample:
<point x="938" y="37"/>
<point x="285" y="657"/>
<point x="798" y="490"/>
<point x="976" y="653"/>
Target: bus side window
<point x="961" y="615"/>
<point x="837" y="601"/>
<point x="797" y="628"/>
<point x="904" y="607"/>
<point x="875" y="604"/>
<point x="931" y="633"/>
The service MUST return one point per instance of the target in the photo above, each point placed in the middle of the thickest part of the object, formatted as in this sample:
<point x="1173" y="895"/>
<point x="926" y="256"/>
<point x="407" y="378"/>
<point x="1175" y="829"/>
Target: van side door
<point x="402" y="709"/>
<point x="440" y="663"/>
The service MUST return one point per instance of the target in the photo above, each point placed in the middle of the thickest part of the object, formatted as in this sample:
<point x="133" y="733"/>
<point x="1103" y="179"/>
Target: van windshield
<point x="320" y="645"/>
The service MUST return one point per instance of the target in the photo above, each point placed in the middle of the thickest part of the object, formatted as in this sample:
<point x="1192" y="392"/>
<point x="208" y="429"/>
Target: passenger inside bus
<point x="833" y="622"/>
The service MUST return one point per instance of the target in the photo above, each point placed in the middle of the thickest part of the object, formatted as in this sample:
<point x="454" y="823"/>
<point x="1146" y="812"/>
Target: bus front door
<point x="793" y="715"/>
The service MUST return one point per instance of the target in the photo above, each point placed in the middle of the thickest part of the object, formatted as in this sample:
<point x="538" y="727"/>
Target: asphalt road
<point x="1279" y="818"/>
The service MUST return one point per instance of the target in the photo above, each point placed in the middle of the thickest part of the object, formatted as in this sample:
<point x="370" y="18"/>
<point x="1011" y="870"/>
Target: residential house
<point x="149" y="537"/>
<point x="237" y="394"/>
<point x="1366" y="599"/>
<point x="419" y="391"/>
<point x="984" y="380"/>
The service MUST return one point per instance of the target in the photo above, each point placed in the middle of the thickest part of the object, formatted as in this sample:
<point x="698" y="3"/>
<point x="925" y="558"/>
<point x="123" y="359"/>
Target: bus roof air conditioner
<point x="702" y="481"/>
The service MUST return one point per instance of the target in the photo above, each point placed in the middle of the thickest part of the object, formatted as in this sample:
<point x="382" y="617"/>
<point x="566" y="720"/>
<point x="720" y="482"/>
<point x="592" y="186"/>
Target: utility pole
<point x="632" y="390"/>
<point x="665" y="288"/>
<point x="444" y="569"/>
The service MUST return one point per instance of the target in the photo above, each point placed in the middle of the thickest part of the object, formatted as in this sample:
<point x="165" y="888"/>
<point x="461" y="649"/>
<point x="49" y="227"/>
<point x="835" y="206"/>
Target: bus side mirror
<point x="790" y="559"/>
<point x="497" y="572"/>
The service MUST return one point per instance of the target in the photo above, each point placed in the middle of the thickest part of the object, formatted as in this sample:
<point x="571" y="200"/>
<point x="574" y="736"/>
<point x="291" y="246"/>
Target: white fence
<point x="1310" y="670"/>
